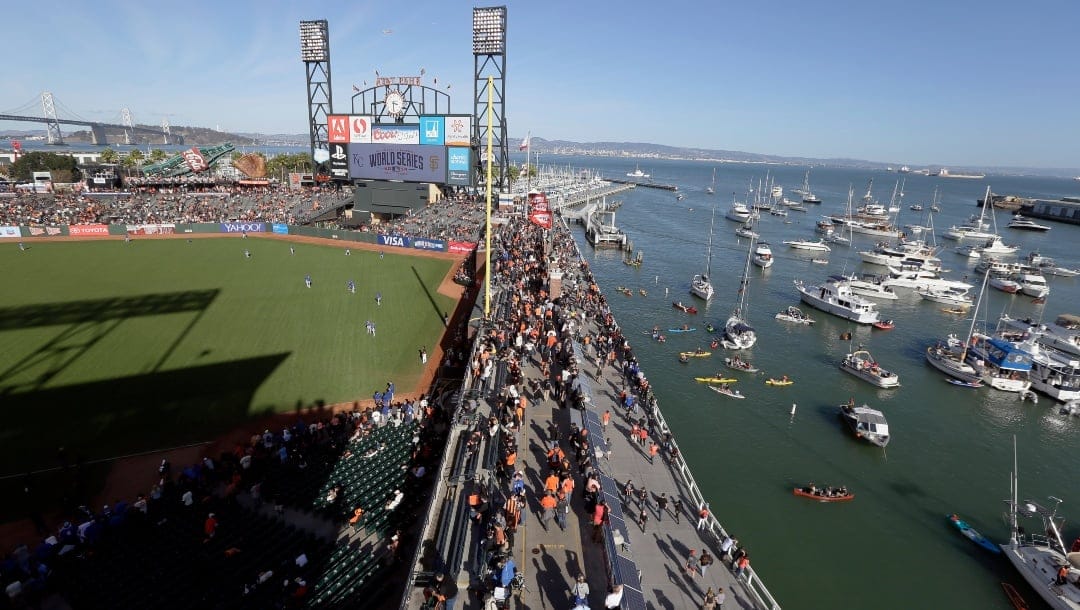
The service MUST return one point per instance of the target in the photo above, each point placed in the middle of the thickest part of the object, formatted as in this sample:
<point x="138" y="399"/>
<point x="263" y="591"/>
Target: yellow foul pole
<point x="487" y="238"/>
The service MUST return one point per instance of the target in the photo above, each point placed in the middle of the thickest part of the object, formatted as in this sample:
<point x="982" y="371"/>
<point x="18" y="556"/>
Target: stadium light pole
<point x="489" y="71"/>
<point x="487" y="232"/>
<point x="315" y="53"/>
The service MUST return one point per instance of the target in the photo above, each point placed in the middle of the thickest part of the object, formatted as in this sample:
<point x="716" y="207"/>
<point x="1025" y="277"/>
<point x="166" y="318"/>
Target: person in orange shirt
<point x="568" y="488"/>
<point x="551" y="483"/>
<point x="653" y="450"/>
<point x="606" y="418"/>
<point x="548" y="504"/>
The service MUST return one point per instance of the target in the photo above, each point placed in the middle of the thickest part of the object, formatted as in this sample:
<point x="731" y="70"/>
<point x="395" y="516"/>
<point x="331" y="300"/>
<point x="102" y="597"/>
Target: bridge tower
<point x="129" y="126"/>
<point x="489" y="60"/>
<point x="315" y="53"/>
<point x="52" y="125"/>
<point x="165" y="133"/>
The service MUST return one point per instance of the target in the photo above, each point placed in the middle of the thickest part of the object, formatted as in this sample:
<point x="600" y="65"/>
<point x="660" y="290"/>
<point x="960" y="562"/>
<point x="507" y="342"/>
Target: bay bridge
<point x="53" y="120"/>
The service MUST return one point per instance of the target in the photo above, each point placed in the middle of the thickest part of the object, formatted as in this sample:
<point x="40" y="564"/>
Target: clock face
<point x="395" y="103"/>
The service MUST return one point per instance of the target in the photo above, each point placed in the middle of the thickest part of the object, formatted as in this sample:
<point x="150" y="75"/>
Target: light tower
<point x="52" y="125"/>
<point x="315" y="53"/>
<point x="489" y="59"/>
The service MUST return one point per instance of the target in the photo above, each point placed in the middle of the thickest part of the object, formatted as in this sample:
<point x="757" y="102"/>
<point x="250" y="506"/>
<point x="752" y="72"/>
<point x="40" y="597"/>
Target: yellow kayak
<point x="778" y="382"/>
<point x="715" y="380"/>
<point x="695" y="354"/>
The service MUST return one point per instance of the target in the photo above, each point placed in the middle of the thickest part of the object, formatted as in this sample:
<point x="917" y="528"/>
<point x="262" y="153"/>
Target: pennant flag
<point x="525" y="142"/>
<point x="355" y="88"/>
<point x="422" y="71"/>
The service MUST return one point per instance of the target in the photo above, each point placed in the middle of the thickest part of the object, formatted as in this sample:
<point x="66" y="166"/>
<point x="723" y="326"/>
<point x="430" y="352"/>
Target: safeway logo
<point x="360" y="130"/>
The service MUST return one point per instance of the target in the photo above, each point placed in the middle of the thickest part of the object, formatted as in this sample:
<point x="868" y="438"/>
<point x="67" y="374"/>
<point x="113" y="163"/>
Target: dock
<point x="649" y="185"/>
<point x="647" y="561"/>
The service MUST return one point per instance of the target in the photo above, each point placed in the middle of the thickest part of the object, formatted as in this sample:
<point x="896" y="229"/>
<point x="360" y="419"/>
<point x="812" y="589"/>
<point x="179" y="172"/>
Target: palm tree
<point x="109" y="155"/>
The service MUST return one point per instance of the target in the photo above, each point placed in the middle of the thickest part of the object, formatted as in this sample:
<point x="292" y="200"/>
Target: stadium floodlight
<point x="489" y="30"/>
<point x="314" y="41"/>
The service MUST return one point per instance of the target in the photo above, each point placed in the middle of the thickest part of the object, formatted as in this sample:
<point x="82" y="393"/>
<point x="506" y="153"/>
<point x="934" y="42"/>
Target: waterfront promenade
<point x="469" y="533"/>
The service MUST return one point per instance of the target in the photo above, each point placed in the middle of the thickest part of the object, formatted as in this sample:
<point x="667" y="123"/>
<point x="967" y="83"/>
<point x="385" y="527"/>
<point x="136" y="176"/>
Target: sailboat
<point x="738" y="334"/>
<point x="709" y="190"/>
<point x="950" y="356"/>
<point x="973" y="228"/>
<point x="700" y="286"/>
<point x="808" y="196"/>
<point x="838" y="237"/>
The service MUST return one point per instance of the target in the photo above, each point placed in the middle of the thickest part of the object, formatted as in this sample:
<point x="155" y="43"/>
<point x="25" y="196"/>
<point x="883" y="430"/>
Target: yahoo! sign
<point x="243" y="227"/>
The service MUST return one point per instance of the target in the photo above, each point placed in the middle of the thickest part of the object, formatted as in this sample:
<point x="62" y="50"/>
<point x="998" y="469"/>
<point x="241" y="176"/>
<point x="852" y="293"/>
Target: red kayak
<point x="680" y="306"/>
<point x="821" y="495"/>
<point x="884" y="324"/>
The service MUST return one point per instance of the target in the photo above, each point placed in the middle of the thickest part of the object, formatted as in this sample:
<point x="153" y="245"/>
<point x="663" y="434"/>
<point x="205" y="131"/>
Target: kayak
<point x="687" y="309"/>
<point x="884" y="325"/>
<point x="681" y="330"/>
<point x="972" y="535"/>
<point x="726" y="391"/>
<point x="715" y="380"/>
<point x="745" y="367"/>
<point x="778" y="382"/>
<point x="819" y="495"/>
<point x="965" y="384"/>
<point x="695" y="354"/>
<point x="954" y="310"/>
<point x="709" y="328"/>
<point x="1015" y="599"/>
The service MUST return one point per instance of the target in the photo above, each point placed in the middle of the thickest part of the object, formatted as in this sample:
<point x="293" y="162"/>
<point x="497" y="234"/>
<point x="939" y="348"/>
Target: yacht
<point x="1038" y="555"/>
<point x="1049" y="266"/>
<point x="1026" y="224"/>
<point x="825" y="226"/>
<point x="1001" y="364"/>
<point x="763" y="255"/>
<point x="803" y="244"/>
<point x="866" y="424"/>
<point x="739" y="213"/>
<point x="835" y="296"/>
<point x="947" y="296"/>
<point x="906" y="253"/>
<point x="1033" y="284"/>
<point x="1062" y="335"/>
<point x="637" y="173"/>
<point x="872" y="286"/>
<point x="862" y="365"/>
<point x="991" y="247"/>
<point x="700" y="286"/>
<point x="747" y="231"/>
<point x="913" y="277"/>
<point x="1053" y="373"/>
<point x="975" y="227"/>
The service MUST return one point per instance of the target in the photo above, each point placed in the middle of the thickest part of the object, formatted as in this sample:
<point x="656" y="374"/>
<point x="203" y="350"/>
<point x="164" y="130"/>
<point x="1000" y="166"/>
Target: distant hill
<point x="199" y="136"/>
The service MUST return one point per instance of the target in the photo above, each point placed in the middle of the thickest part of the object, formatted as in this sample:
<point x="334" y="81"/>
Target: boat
<point x="826" y="494"/>
<point x="747" y="231"/>
<point x="696" y="354"/>
<point x="820" y="261"/>
<point x="1018" y="602"/>
<point x="1033" y="284"/>
<point x="1026" y="224"/>
<point x="777" y="191"/>
<point x="763" y="255"/>
<point x="1049" y="266"/>
<point x="884" y="325"/>
<point x="681" y="330"/>
<point x="1004" y="283"/>
<point x="825" y="226"/>
<point x="734" y="362"/>
<point x="808" y="196"/>
<point x="975" y="227"/>
<point x="945" y="173"/>
<point x="1063" y="335"/>
<point x="688" y="309"/>
<point x="715" y="379"/>
<point x="778" y="212"/>
<point x="643" y="292"/>
<point x="804" y="244"/>
<point x="795" y="315"/>
<point x="601" y="232"/>
<point x="680" y="196"/>
<point x="911" y="253"/>
<point x="1000" y="364"/>
<point x="865" y="423"/>
<point x="971" y="534"/>
<point x="739" y="212"/>
<point x="726" y="391"/>
<point x="1053" y="373"/>
<point x="701" y="286"/>
<point x="709" y="328"/>
<point x="916" y="208"/>
<point x="946" y="296"/>
<point x="625" y="291"/>
<point x="834" y="296"/>
<point x="965" y="384"/>
<point x="636" y="261"/>
<point x="872" y="286"/>
<point x="738" y="334"/>
<point x="1041" y="557"/>
<point x="783" y="381"/>
<point x="709" y="190"/>
<point x="637" y="173"/>
<point x="950" y="356"/>
<point x="862" y="365"/>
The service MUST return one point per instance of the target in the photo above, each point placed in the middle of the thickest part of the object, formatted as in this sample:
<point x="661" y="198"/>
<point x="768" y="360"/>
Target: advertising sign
<point x="339" y="161"/>
<point x="43" y="231"/>
<point x="337" y="129"/>
<point x="194" y="159"/>
<point x="243" y="227"/>
<point x="539" y="212"/>
<point x="151" y="229"/>
<point x="399" y="241"/>
<point x="359" y="129"/>
<point x="458" y="166"/>
<point x="87" y="230"/>
<point x="431" y="130"/>
<point x="458" y="131"/>
<point x="9" y="233"/>
<point x="423" y="243"/>
<point x="395" y="134"/>
<point x="462" y="247"/>
<point x="281" y="229"/>
<point x="396" y="162"/>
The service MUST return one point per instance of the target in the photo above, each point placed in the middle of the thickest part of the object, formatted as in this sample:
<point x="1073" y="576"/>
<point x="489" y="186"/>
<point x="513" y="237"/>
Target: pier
<point x="648" y="185"/>
<point x="461" y="535"/>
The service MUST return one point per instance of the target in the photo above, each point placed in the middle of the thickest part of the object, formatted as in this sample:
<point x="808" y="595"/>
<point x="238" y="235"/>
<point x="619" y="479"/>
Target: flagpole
<point x="487" y="233"/>
<point x="528" y="153"/>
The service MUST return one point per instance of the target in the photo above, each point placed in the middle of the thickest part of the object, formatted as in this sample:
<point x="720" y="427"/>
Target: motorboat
<point x="872" y="286"/>
<point x="834" y="296"/>
<point x="916" y="207"/>
<point x="1000" y="364"/>
<point x="878" y="228"/>
<point x="684" y="308"/>
<point x="824" y="494"/>
<point x="700" y="285"/>
<point x="1033" y="284"/>
<point x="1049" y="266"/>
<point x="1052" y="372"/>
<point x="1038" y="552"/>
<point x="804" y="244"/>
<point x="734" y="362"/>
<point x="996" y="266"/>
<point x="739" y="213"/>
<point x="777" y="191"/>
<point x="909" y="253"/>
<point x="763" y="255"/>
<point x="778" y="211"/>
<point x="863" y="365"/>
<point x="915" y="278"/>
<point x="820" y="261"/>
<point x="975" y="227"/>
<point x="1063" y="335"/>
<point x="947" y="296"/>
<point x="825" y="227"/>
<point x="637" y="173"/>
<point x="865" y="423"/>
<point x="747" y="231"/>
<point x="1026" y="224"/>
<point x="738" y="334"/>
<point x="794" y="315"/>
<point x="1004" y="283"/>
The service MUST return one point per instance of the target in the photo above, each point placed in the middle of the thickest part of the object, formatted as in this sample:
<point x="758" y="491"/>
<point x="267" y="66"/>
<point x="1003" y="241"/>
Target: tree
<point x="63" y="167"/>
<point x="109" y="155"/>
<point x="157" y="155"/>
<point x="133" y="158"/>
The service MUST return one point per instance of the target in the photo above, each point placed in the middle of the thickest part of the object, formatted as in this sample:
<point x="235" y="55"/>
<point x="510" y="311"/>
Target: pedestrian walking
<point x="292" y="251"/>
<point x="653" y="450"/>
<point x="705" y="560"/>
<point x="348" y="252"/>
<point x="709" y="603"/>
<point x="677" y="509"/>
<point x="643" y="497"/>
<point x="547" y="504"/>
<point x="580" y="591"/>
<point x="661" y="506"/>
<point x="605" y="420"/>
<point x="693" y="564"/>
<point x="307" y="280"/>
<point x="642" y="519"/>
<point x="628" y="491"/>
<point x="742" y="564"/>
<point x="726" y="545"/>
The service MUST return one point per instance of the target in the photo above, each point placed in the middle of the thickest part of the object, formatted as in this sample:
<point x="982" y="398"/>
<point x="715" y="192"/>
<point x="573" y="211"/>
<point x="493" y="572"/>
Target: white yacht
<point x="1052" y="372"/>
<point x="862" y="365"/>
<point x="872" y="286"/>
<point x="637" y="173"/>
<point x="747" y="231"/>
<point x="1063" y="335"/>
<point x="1001" y="365"/>
<point x="915" y="252"/>
<point x="915" y="278"/>
<point x="1033" y="284"/>
<point x="991" y="247"/>
<point x="804" y="244"/>
<point x="835" y="296"/>
<point x="947" y="296"/>
<point x="1049" y="266"/>
<point x="1026" y="224"/>
<point x="975" y="227"/>
<point x="763" y="255"/>
<point x="950" y="356"/>
<point x="739" y="213"/>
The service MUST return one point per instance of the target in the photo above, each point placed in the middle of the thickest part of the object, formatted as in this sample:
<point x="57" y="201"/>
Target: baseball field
<point x="109" y="348"/>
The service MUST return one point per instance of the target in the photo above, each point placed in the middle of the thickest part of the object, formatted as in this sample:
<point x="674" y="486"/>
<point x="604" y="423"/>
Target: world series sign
<point x="405" y="163"/>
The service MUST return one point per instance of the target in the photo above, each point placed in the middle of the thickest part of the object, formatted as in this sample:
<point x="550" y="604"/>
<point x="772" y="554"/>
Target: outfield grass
<point x="109" y="348"/>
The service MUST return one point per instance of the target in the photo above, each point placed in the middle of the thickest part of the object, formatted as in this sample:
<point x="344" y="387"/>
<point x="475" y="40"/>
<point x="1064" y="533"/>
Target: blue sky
<point x="918" y="82"/>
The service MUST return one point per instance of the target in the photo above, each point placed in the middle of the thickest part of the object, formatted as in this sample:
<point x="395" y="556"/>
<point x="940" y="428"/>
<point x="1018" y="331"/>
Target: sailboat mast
<point x="974" y="316"/>
<point x="744" y="284"/>
<point x="708" y="249"/>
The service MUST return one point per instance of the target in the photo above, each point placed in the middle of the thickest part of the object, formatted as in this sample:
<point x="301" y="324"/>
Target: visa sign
<point x="399" y="241"/>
